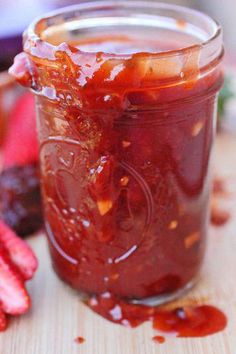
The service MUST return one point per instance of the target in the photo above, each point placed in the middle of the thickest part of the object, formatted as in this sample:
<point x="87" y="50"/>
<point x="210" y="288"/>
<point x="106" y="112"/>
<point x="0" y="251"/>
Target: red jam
<point x="126" y="130"/>
<point x="79" y="340"/>
<point x="219" y="216"/>
<point x="159" y="339"/>
<point x="190" y="321"/>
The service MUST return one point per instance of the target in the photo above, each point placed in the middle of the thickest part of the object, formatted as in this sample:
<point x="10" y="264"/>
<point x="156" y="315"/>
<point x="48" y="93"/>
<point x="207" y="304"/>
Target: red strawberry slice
<point x="19" y="251"/>
<point x="13" y="295"/>
<point x="3" y="321"/>
<point x="21" y="146"/>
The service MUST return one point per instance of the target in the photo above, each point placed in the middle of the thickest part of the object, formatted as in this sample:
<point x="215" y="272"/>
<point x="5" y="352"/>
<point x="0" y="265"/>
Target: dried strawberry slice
<point x="19" y="251"/>
<point x="13" y="295"/>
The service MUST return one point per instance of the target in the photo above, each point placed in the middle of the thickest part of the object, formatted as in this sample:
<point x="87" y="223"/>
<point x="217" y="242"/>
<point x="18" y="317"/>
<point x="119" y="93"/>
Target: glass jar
<point x="126" y="96"/>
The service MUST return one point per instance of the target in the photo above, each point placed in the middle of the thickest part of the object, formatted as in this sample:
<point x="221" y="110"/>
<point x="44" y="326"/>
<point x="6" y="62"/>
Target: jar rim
<point x="33" y="35"/>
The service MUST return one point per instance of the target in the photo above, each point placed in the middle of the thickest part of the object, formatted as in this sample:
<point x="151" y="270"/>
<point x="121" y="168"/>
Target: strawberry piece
<point x="19" y="251"/>
<point x="21" y="145"/>
<point x="3" y="321"/>
<point x="13" y="295"/>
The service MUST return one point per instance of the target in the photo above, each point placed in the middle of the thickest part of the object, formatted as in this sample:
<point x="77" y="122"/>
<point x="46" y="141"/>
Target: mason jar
<point x="126" y="99"/>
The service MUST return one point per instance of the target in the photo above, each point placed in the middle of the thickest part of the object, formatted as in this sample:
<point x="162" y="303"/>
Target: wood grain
<point x="58" y="316"/>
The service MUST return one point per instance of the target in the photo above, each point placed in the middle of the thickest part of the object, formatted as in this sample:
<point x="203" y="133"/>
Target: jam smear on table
<point x="80" y="340"/>
<point x="219" y="216"/>
<point x="219" y="187"/>
<point x="188" y="321"/>
<point x="159" y="339"/>
<point x="196" y="321"/>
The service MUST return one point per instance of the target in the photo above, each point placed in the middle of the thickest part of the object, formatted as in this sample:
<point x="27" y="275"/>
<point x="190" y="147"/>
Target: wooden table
<point x="58" y="317"/>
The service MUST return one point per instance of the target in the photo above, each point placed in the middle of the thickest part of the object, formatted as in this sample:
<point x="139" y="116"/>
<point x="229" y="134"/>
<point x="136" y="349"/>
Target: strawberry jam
<point x="126" y="102"/>
<point x="188" y="321"/>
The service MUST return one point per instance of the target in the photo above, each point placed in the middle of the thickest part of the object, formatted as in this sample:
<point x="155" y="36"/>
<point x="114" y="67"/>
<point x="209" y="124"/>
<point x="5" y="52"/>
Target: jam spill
<point x="189" y="321"/>
<point x="219" y="216"/>
<point x="159" y="339"/>
<point x="79" y="340"/>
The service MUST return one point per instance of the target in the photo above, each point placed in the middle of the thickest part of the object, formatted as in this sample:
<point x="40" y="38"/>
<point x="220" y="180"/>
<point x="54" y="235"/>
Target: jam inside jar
<point x="126" y="98"/>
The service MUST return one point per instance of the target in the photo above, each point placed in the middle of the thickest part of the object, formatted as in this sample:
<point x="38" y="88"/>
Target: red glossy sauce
<point x="219" y="216"/>
<point x="159" y="339"/>
<point x="189" y="321"/>
<point x="196" y="321"/>
<point x="79" y="340"/>
<point x="125" y="145"/>
<point x="219" y="187"/>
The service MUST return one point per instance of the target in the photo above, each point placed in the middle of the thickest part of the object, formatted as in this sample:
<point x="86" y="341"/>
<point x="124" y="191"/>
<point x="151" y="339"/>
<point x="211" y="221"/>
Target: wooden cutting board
<point x="58" y="317"/>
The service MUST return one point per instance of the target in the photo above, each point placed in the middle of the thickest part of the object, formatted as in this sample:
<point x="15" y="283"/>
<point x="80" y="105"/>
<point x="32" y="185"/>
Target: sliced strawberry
<point x="13" y="295"/>
<point x="3" y="321"/>
<point x="19" y="251"/>
<point x="21" y="146"/>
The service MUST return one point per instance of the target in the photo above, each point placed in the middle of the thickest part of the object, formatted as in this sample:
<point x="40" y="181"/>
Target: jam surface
<point x="125" y="146"/>
<point x="123" y="44"/>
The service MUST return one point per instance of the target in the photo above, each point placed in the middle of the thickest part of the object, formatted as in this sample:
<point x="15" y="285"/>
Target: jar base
<point x="165" y="298"/>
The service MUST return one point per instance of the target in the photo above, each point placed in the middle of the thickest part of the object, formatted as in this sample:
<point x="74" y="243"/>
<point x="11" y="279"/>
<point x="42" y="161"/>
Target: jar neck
<point x="52" y="44"/>
<point x="188" y="28"/>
